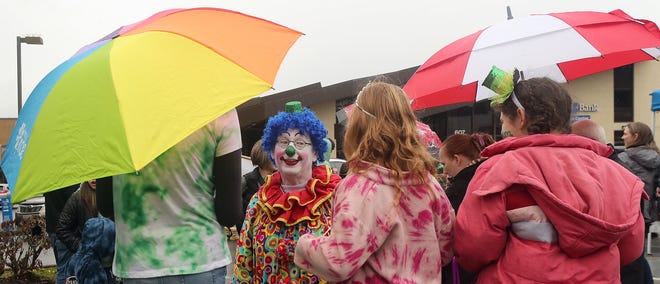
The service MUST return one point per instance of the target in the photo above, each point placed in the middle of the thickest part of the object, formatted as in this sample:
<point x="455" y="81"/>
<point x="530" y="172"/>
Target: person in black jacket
<point x="460" y="156"/>
<point x="254" y="179"/>
<point x="54" y="202"/>
<point x="80" y="207"/>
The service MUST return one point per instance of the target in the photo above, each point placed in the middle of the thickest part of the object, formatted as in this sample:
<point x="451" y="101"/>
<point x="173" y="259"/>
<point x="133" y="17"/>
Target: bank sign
<point x="578" y="107"/>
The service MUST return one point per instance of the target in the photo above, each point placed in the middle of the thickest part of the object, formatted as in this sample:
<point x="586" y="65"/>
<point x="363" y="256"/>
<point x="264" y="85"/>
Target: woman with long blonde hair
<point x="390" y="207"/>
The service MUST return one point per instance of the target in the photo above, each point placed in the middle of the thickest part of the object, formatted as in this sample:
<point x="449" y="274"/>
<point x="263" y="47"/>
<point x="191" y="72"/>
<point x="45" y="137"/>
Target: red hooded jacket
<point x="592" y="202"/>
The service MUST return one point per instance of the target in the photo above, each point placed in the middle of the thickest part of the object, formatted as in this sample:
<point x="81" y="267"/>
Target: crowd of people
<point x="550" y="203"/>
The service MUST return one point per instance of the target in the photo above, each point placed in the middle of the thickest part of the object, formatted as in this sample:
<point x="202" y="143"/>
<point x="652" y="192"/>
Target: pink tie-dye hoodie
<point x="375" y="239"/>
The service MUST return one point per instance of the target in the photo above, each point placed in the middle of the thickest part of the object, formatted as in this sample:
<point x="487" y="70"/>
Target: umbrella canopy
<point x="561" y="46"/>
<point x="121" y="101"/>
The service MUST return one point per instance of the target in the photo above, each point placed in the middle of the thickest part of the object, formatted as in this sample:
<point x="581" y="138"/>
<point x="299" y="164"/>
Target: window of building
<point x="623" y="94"/>
<point x="437" y="123"/>
<point x="468" y="119"/>
<point x="485" y="119"/>
<point x="251" y="134"/>
<point x="340" y="126"/>
<point x="617" y="138"/>
<point x="459" y="121"/>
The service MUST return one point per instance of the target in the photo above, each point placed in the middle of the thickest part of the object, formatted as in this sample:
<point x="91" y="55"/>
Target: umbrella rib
<point x="651" y="55"/>
<point x="522" y="38"/>
<point x="489" y="46"/>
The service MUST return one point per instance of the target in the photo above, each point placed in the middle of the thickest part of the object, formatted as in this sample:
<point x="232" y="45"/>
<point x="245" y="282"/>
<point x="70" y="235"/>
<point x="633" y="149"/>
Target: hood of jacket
<point x="644" y="155"/>
<point x="591" y="200"/>
<point x="98" y="237"/>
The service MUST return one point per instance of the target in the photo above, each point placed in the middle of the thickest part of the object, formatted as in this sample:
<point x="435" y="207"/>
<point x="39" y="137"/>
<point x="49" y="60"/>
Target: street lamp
<point x="26" y="40"/>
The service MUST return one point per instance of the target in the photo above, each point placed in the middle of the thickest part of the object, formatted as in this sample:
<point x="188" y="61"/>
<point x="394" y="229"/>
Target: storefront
<point x="613" y="98"/>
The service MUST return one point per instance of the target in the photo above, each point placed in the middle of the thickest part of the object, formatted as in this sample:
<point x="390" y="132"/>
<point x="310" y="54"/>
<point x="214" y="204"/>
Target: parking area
<point x="338" y="166"/>
<point x="32" y="206"/>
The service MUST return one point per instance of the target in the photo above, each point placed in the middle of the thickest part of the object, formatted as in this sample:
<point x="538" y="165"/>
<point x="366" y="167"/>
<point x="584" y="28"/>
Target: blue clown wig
<point x="304" y="121"/>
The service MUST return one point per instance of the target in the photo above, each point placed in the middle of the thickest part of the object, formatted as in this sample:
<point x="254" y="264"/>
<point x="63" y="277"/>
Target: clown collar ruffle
<point x="300" y="205"/>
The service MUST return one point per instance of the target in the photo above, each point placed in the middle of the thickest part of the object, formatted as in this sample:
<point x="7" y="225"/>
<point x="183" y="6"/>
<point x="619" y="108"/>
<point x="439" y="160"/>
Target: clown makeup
<point x="294" y="162"/>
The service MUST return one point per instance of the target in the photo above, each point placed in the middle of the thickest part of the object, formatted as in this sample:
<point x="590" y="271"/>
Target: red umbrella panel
<point x="561" y="46"/>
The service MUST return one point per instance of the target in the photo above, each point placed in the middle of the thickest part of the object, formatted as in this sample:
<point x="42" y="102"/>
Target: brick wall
<point x="6" y="126"/>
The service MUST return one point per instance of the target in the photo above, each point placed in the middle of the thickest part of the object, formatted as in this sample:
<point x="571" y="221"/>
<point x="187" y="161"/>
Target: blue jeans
<point x="216" y="276"/>
<point x="62" y="256"/>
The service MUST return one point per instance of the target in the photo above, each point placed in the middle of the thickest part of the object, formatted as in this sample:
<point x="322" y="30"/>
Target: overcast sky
<point x="344" y="39"/>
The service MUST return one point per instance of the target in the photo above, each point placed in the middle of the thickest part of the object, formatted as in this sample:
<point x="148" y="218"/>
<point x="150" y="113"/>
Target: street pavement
<point x="654" y="259"/>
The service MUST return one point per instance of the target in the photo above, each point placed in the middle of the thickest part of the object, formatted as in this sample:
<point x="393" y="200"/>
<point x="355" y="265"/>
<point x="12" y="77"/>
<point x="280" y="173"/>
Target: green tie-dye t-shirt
<point x="165" y="215"/>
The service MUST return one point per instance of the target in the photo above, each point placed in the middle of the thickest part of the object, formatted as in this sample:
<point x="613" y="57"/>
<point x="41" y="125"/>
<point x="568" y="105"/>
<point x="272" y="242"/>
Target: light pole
<point x="26" y="40"/>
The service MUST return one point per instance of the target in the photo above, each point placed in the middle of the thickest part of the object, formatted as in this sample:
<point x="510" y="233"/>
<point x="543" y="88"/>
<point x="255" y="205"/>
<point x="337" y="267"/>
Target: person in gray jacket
<point x="641" y="158"/>
<point x="639" y="270"/>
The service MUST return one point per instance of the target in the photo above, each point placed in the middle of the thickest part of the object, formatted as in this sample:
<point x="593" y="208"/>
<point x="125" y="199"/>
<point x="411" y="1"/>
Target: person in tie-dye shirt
<point x="170" y="215"/>
<point x="295" y="200"/>
<point x="392" y="222"/>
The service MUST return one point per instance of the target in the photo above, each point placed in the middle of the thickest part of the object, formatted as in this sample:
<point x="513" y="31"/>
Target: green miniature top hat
<point x="293" y="107"/>
<point x="501" y="82"/>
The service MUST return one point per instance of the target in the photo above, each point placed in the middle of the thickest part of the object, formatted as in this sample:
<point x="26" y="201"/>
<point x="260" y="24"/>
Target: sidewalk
<point x="654" y="259"/>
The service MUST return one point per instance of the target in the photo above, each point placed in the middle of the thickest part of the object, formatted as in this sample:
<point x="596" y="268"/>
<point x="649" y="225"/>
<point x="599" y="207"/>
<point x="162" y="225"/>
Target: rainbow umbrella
<point x="121" y="101"/>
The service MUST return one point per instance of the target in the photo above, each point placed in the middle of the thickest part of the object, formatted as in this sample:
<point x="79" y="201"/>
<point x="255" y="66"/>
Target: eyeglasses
<point x="299" y="144"/>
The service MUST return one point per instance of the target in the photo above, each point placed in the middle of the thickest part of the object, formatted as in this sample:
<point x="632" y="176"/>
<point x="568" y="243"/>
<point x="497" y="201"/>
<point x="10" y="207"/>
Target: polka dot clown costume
<point x="293" y="201"/>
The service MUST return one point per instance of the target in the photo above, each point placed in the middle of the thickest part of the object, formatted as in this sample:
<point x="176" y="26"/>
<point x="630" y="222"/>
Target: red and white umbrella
<point x="561" y="46"/>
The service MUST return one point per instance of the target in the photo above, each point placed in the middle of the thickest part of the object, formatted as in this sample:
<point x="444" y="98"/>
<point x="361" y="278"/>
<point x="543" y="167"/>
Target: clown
<point x="294" y="201"/>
